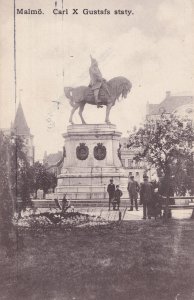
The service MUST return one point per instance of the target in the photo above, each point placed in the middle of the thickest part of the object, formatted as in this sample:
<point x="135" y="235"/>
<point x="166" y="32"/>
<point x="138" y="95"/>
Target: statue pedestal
<point x="91" y="161"/>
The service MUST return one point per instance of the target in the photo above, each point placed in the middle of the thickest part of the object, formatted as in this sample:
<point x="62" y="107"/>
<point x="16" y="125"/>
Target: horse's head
<point x="126" y="88"/>
<point x="121" y="86"/>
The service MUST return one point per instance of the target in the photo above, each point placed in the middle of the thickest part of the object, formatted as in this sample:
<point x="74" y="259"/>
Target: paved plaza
<point x="129" y="215"/>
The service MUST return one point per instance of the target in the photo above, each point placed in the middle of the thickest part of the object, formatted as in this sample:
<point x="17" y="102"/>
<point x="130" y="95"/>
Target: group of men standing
<point x="115" y="195"/>
<point x="145" y="189"/>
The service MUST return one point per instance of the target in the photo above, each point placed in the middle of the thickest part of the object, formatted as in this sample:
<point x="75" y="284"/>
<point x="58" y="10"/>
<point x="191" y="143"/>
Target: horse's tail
<point x="68" y="93"/>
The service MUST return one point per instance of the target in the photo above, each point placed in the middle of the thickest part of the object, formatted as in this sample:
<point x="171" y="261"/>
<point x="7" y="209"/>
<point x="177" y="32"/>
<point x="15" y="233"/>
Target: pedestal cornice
<point x="91" y="130"/>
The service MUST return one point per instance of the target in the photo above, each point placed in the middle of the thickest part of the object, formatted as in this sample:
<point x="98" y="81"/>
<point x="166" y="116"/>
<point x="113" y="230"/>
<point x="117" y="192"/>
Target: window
<point x="123" y="162"/>
<point x="129" y="163"/>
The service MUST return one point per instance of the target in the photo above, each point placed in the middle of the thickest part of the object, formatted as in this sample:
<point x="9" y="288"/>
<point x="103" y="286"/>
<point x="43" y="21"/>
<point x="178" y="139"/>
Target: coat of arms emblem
<point x="99" y="151"/>
<point x="82" y="151"/>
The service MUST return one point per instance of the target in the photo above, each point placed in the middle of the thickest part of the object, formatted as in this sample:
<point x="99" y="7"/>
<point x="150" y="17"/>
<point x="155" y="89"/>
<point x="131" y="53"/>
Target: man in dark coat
<point x="146" y="196"/>
<point x="157" y="204"/>
<point x="133" y="189"/>
<point x="111" y="191"/>
<point x="117" y="197"/>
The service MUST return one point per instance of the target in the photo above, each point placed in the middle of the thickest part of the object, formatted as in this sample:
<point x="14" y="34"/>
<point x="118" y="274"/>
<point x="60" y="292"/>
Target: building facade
<point x="132" y="167"/>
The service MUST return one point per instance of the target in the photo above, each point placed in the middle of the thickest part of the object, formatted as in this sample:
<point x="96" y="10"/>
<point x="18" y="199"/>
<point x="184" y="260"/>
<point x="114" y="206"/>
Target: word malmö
<point x="75" y="11"/>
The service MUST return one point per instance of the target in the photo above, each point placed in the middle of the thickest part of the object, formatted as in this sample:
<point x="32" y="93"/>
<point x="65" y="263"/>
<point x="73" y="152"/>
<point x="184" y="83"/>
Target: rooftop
<point x="20" y="125"/>
<point x="52" y="158"/>
<point x="169" y="104"/>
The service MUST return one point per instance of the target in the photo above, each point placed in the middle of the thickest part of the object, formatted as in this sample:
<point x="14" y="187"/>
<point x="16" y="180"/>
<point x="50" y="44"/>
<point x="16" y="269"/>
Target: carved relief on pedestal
<point x="99" y="151"/>
<point x="82" y="151"/>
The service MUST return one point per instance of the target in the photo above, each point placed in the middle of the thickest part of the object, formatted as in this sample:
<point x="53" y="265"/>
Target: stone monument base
<point x="91" y="161"/>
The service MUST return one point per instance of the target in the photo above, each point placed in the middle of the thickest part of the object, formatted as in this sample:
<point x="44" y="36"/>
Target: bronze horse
<point x="109" y="92"/>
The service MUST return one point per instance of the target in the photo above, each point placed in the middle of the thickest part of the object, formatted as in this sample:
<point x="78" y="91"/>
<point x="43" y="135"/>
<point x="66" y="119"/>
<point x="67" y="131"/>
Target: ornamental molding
<point x="82" y="151"/>
<point x="100" y="151"/>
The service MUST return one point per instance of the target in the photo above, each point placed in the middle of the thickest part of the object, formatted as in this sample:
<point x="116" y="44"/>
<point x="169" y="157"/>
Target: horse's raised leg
<point x="72" y="112"/>
<point x="108" y="108"/>
<point x="81" y="108"/>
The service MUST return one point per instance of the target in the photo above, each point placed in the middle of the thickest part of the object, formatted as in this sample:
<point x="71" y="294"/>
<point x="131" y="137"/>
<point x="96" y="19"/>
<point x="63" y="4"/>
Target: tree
<point x="183" y="177"/>
<point x="7" y="177"/>
<point x="15" y="170"/>
<point x="42" y="179"/>
<point x="13" y="183"/>
<point x="166" y="143"/>
<point x="23" y="173"/>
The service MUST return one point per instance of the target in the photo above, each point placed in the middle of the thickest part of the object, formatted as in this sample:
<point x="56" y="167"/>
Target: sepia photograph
<point x="96" y="150"/>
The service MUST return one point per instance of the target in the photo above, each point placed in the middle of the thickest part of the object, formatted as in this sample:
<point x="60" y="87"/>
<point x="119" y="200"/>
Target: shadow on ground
<point x="137" y="260"/>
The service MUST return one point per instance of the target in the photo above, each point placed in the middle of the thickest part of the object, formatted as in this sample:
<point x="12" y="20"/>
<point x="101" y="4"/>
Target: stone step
<point x="78" y="203"/>
<point x="92" y="203"/>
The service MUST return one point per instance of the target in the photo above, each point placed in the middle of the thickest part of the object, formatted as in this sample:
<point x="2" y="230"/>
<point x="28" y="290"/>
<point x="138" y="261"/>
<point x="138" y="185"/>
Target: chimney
<point x="45" y="155"/>
<point x="168" y="94"/>
<point x="147" y="108"/>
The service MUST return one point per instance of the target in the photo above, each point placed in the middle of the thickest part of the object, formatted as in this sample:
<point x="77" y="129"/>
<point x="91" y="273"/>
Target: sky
<point x="153" y="48"/>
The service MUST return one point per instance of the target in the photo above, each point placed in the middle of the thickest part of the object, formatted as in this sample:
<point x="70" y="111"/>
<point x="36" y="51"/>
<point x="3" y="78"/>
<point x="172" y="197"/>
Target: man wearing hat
<point x="111" y="191"/>
<point x="146" y="196"/>
<point x="117" y="197"/>
<point x="133" y="189"/>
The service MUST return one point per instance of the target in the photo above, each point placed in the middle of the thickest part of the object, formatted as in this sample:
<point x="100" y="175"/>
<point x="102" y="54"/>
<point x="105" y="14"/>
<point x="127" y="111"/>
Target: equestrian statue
<point x="99" y="92"/>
